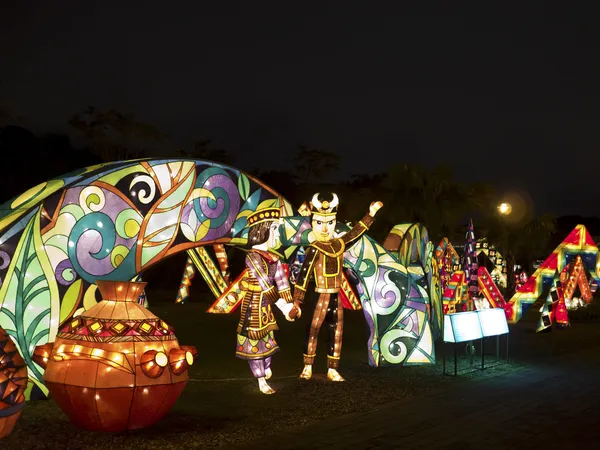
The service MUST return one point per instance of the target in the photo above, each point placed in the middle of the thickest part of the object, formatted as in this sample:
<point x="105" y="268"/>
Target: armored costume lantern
<point x="324" y="262"/>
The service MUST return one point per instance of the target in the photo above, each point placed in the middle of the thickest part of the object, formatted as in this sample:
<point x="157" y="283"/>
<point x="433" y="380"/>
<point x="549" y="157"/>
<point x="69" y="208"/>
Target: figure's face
<point x="273" y="235"/>
<point x="323" y="226"/>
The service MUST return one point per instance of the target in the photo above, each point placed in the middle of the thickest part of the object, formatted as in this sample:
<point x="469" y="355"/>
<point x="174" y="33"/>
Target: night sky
<point x="508" y="94"/>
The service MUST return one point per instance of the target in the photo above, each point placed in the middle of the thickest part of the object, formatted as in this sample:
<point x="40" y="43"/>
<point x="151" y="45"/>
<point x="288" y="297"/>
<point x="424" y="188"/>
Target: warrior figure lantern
<point x="324" y="260"/>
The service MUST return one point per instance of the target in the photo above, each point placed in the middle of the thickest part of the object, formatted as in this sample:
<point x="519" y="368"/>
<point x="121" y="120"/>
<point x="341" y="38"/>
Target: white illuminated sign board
<point x="493" y="322"/>
<point x="463" y="327"/>
<point x="468" y="326"/>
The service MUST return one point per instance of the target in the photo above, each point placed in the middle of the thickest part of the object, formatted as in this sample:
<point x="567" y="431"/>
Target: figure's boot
<point x="334" y="375"/>
<point x="268" y="373"/>
<point x="306" y="372"/>
<point x="264" y="387"/>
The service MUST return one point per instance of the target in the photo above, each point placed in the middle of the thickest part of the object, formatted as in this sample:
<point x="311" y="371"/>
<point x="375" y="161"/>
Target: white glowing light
<point x="505" y="208"/>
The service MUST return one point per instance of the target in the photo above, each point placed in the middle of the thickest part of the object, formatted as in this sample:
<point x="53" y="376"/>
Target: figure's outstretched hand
<point x="296" y="316"/>
<point x="375" y="206"/>
<point x="294" y="313"/>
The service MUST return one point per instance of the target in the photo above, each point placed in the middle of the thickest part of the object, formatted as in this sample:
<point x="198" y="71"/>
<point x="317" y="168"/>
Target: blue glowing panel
<point x="493" y="321"/>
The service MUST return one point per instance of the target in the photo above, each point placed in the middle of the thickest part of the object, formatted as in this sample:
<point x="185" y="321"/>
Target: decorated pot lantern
<point x="13" y="382"/>
<point x="117" y="366"/>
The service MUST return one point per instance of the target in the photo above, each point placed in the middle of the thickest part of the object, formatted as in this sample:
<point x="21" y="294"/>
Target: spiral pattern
<point x="128" y="223"/>
<point x="143" y="188"/>
<point x="396" y="345"/>
<point x="388" y="294"/>
<point x="211" y="217"/>
<point x="91" y="199"/>
<point x="65" y="273"/>
<point x="90" y="244"/>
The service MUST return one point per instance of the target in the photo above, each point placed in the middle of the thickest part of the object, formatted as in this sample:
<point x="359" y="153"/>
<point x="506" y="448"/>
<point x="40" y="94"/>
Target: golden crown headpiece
<point x="324" y="207"/>
<point x="263" y="215"/>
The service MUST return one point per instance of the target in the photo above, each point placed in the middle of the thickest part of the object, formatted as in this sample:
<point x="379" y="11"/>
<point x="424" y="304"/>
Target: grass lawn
<point x="221" y="404"/>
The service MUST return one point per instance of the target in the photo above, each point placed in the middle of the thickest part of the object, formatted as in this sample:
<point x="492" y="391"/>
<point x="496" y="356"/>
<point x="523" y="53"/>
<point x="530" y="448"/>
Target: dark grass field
<point x="221" y="404"/>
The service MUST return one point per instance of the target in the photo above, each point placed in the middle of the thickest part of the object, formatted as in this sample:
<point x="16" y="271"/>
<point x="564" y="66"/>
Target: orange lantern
<point x="13" y="382"/>
<point x="112" y="368"/>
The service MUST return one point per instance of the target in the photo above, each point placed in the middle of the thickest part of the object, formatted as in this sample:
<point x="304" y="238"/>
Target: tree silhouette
<point x="115" y="136"/>
<point x="312" y="163"/>
<point x="203" y="151"/>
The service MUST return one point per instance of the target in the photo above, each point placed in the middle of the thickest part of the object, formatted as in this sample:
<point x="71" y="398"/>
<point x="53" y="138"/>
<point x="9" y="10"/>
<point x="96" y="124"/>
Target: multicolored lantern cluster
<point x="460" y="294"/>
<point x="13" y="383"/>
<point x="117" y="366"/>
<point x="578" y="243"/>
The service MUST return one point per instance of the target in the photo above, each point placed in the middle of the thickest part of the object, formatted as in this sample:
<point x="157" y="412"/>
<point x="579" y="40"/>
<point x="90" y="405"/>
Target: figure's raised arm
<point x="363" y="224"/>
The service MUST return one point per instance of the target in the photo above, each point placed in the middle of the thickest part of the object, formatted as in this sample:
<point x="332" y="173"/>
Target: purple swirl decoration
<point x="222" y="216"/>
<point x="65" y="268"/>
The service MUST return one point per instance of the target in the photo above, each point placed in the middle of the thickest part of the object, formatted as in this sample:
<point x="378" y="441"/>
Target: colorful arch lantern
<point x="578" y="242"/>
<point x="117" y="366"/>
<point x="13" y="383"/>
<point x="110" y="222"/>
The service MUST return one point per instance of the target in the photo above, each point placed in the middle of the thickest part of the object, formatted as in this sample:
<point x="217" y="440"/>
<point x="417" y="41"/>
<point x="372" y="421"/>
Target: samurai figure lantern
<point x="13" y="382"/>
<point x="117" y="366"/>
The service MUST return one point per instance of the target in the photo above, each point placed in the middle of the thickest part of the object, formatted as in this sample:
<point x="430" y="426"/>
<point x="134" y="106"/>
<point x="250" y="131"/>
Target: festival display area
<point x="112" y="221"/>
<point x="578" y="243"/>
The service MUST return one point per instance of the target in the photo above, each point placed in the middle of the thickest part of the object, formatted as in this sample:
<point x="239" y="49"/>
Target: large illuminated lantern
<point x="411" y="244"/>
<point x="116" y="366"/>
<point x="578" y="243"/>
<point x="13" y="382"/>
<point x="111" y="222"/>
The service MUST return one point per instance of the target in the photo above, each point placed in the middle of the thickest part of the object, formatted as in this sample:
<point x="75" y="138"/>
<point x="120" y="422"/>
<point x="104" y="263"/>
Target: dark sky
<point x="505" y="93"/>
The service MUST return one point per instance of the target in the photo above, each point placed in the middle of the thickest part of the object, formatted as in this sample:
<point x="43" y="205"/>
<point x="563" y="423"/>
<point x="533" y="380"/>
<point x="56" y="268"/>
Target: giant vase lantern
<point x="117" y="366"/>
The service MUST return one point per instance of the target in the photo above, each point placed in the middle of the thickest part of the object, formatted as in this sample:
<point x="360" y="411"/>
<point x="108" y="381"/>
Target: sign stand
<point x="470" y="327"/>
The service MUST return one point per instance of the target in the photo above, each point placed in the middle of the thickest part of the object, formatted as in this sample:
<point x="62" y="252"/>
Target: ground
<point x="389" y="407"/>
